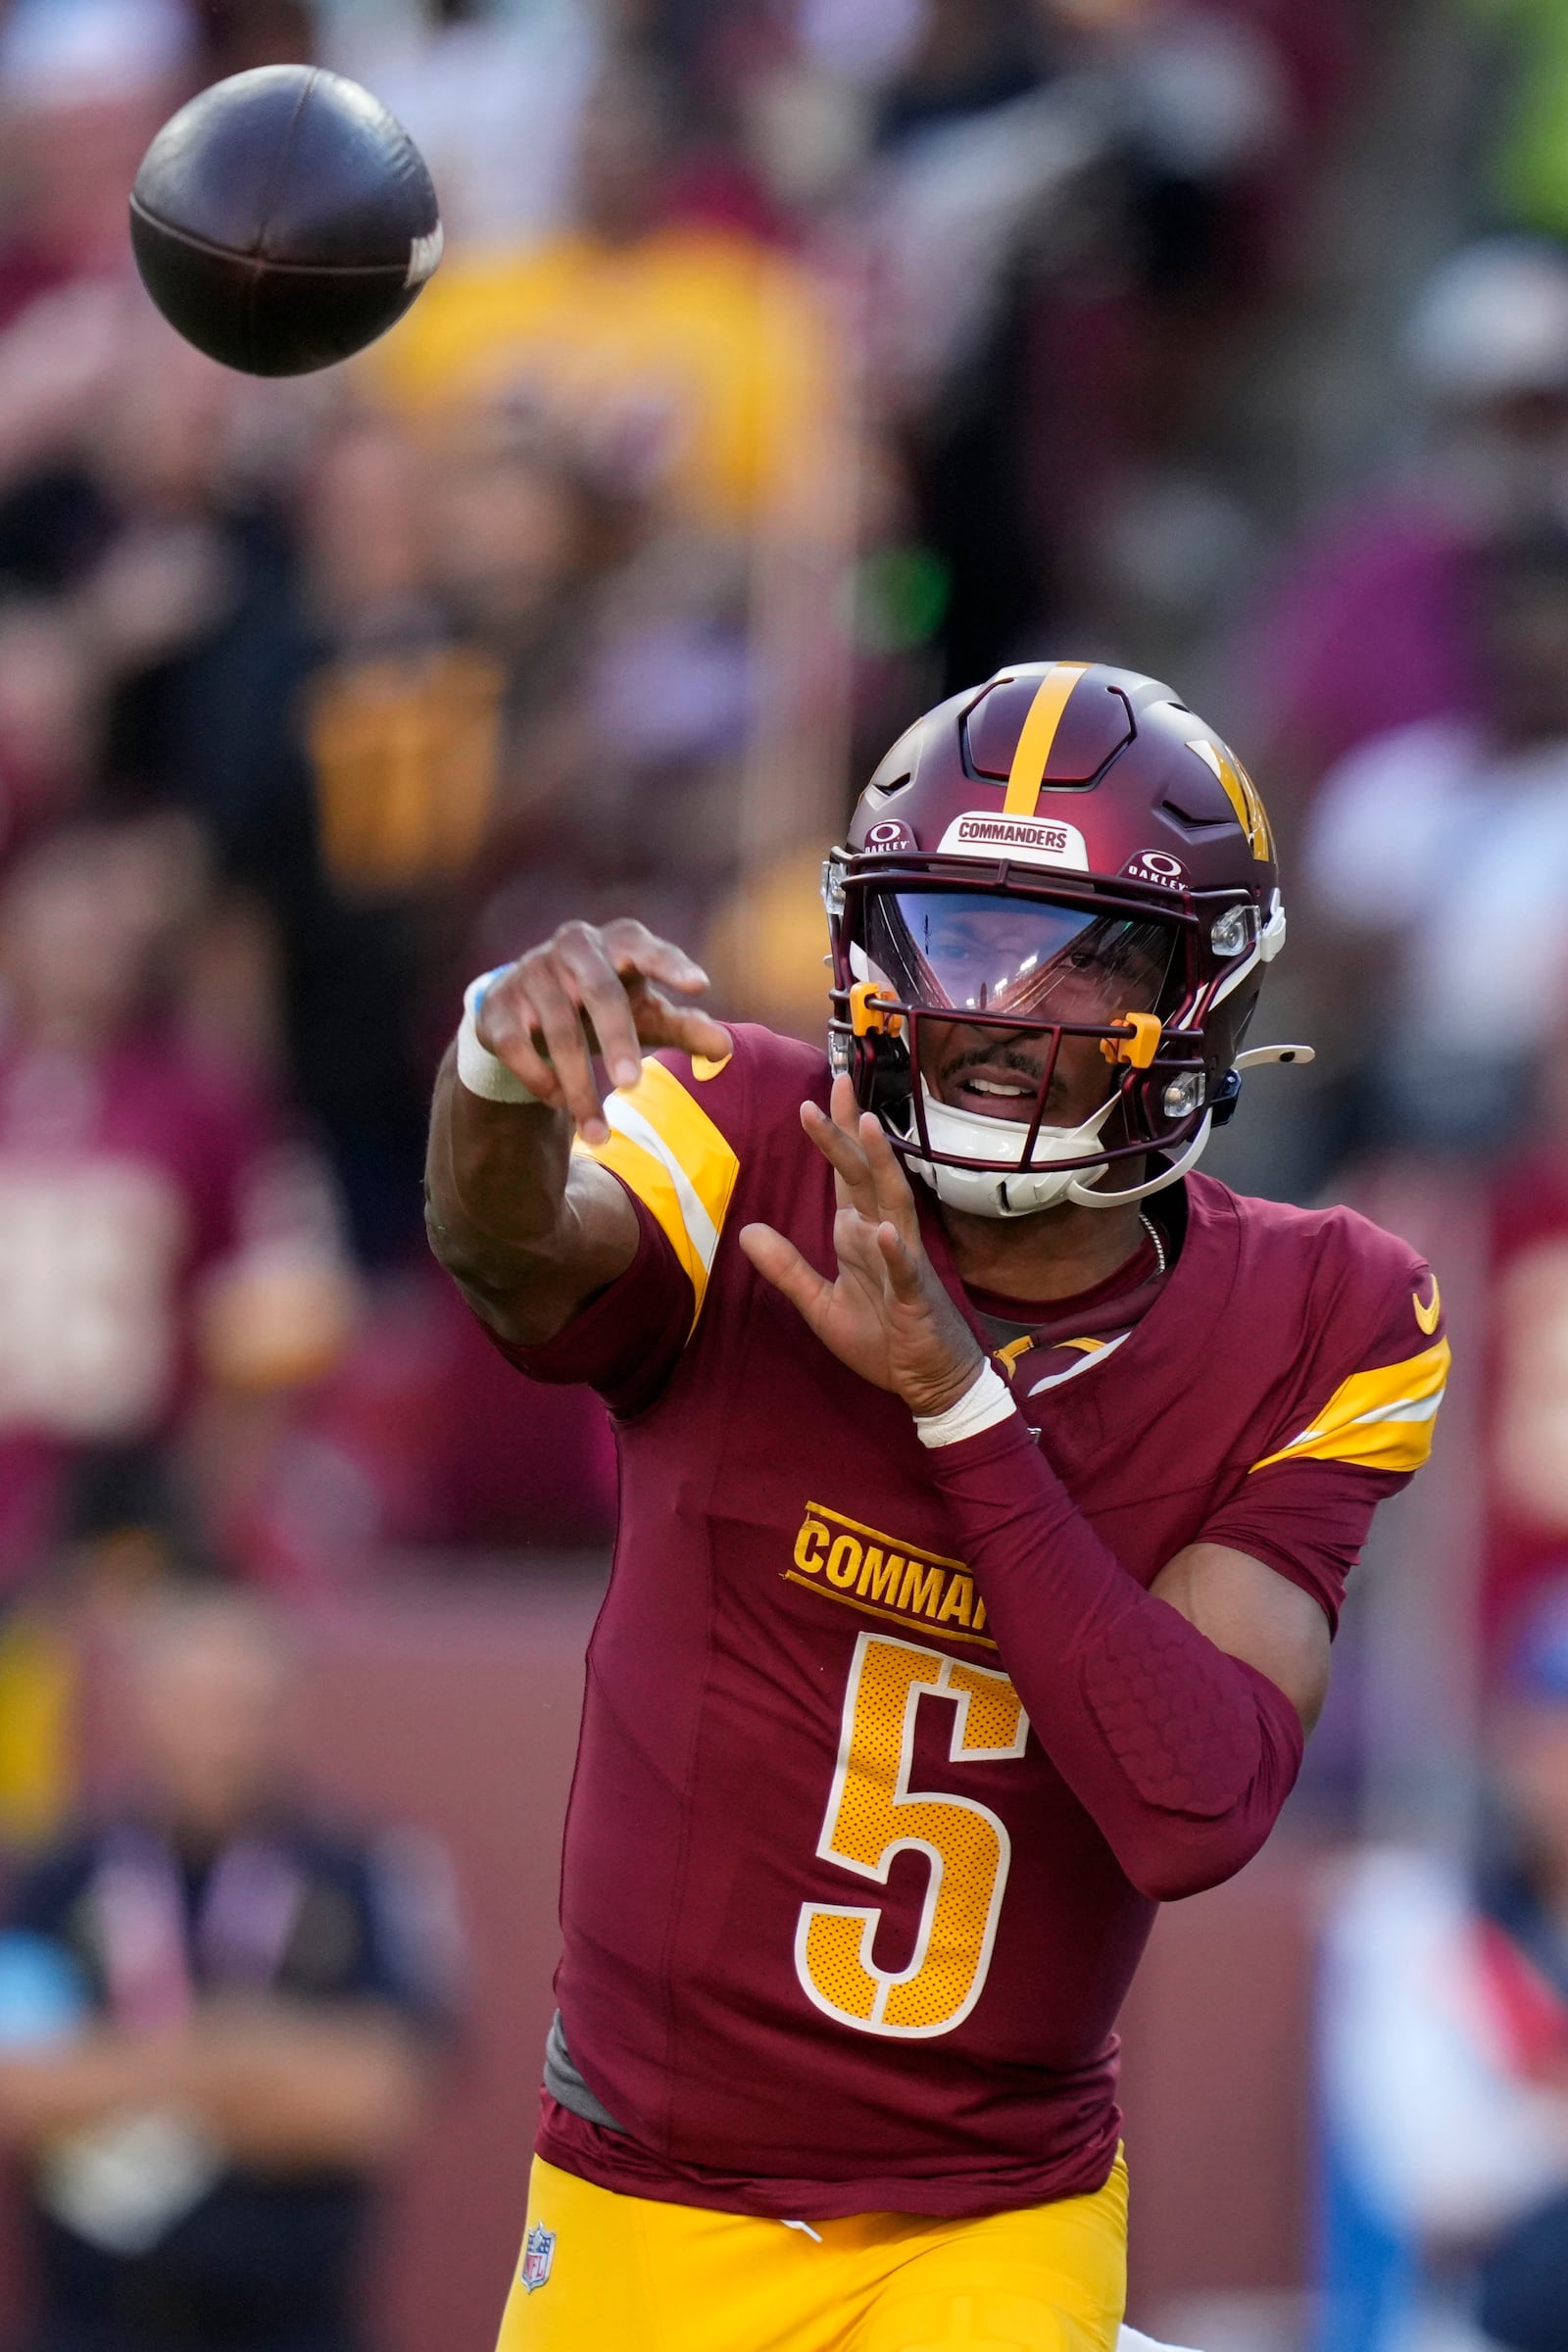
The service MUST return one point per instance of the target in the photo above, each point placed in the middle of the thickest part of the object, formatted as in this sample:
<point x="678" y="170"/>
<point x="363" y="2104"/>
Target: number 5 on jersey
<point x="873" y="1814"/>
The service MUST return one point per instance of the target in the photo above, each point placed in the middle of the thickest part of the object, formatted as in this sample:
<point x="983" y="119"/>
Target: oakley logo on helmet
<point x="887" y="834"/>
<point x="1029" y="839"/>
<point x="1158" y="866"/>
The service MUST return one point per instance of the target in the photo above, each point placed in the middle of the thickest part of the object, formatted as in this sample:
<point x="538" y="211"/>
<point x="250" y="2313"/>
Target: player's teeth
<point x="982" y="1085"/>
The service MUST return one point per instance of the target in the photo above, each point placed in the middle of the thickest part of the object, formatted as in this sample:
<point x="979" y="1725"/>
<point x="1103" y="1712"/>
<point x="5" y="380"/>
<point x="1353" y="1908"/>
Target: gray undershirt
<point x="566" y="2087"/>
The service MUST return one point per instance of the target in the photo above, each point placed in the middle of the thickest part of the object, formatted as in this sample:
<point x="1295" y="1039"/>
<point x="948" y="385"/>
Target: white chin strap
<point x="990" y="1192"/>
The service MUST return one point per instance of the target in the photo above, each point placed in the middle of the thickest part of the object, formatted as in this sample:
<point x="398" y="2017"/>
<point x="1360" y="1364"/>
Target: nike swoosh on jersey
<point x="1427" y="1317"/>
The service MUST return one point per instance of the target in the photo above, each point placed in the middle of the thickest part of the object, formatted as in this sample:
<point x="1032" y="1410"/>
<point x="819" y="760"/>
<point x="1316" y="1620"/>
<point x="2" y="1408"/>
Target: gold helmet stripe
<point x="1028" y="770"/>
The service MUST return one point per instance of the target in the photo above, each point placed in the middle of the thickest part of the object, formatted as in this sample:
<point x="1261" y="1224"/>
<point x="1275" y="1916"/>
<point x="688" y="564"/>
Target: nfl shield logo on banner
<point x="538" y="2253"/>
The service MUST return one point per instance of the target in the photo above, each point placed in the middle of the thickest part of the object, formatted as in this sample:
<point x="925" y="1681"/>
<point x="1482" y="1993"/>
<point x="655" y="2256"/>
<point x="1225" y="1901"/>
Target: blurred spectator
<point x="695" y="352"/>
<point x="493" y="98"/>
<point x="964" y="61"/>
<point x="1443" y="2056"/>
<point x="424" y="1441"/>
<point x="164" y="541"/>
<point x="1434" y="859"/>
<point x="1372" y="620"/>
<point x="453" y="712"/>
<point x="638" y="514"/>
<point x="147" y="574"/>
<point x="457" y="582"/>
<point x="238" y="35"/>
<point x="1522" y="1217"/>
<point x="1073" y="209"/>
<point x="217" y="2017"/>
<point x="162" y="1244"/>
<point x="988" y="229"/>
<point x="83" y="85"/>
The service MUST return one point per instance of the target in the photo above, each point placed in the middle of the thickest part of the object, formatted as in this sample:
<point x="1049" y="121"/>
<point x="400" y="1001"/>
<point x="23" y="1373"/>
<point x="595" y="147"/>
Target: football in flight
<point x="283" y="219"/>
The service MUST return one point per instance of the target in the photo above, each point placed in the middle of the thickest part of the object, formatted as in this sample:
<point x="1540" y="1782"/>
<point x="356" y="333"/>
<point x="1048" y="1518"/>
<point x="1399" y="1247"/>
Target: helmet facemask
<point x="1010" y="994"/>
<point x="1097" y="796"/>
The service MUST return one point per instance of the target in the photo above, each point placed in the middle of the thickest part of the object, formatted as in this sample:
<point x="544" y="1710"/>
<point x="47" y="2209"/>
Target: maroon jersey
<point x="838" y="1938"/>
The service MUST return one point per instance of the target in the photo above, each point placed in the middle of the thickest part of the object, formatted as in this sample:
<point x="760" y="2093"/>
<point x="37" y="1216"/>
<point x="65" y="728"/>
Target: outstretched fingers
<point x="530" y="1019"/>
<point x="781" y="1263"/>
<point x="594" y="991"/>
<point x="632" y="949"/>
<point x="870" y="1179"/>
<point x="905" y="1272"/>
<point x="841" y="1151"/>
<point x="844" y="1157"/>
<point x="661" y="1023"/>
<point x="647" y="967"/>
<point x="888" y="1183"/>
<point x="603" y="999"/>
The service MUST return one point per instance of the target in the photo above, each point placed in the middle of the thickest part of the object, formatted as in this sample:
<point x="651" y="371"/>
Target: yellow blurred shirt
<point x="716" y="348"/>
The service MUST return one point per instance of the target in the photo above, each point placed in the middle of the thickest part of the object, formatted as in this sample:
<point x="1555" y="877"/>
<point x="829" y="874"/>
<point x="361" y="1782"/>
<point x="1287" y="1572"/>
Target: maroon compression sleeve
<point x="1182" y="1755"/>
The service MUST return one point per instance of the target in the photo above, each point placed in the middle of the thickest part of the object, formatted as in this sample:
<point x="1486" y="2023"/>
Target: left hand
<point x="887" y="1316"/>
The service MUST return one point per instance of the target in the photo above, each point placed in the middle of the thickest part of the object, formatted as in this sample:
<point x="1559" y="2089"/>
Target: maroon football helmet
<point x="1068" y="851"/>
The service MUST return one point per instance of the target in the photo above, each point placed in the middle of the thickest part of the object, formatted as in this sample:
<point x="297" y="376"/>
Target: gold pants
<point x="601" y="2273"/>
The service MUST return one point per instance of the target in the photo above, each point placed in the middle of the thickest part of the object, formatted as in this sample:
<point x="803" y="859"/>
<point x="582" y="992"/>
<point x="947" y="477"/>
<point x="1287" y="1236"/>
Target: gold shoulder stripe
<point x="677" y="1163"/>
<point x="1043" y="718"/>
<point x="1427" y="1317"/>
<point x="1381" y="1419"/>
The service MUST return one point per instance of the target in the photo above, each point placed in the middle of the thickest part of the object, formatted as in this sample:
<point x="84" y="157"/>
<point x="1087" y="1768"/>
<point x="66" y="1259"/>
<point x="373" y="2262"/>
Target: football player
<point x="989" y="1485"/>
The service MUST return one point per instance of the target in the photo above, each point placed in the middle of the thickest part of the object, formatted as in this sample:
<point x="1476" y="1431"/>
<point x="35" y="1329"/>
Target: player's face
<point x="997" y="1072"/>
<point x="983" y="953"/>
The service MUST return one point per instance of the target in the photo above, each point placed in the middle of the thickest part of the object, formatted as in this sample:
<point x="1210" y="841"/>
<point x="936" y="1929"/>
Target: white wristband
<point x="987" y="1400"/>
<point x="482" y="1072"/>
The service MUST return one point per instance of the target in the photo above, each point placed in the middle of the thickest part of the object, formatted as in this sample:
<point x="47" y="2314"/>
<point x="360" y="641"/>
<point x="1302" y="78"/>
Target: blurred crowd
<point x="792" y="362"/>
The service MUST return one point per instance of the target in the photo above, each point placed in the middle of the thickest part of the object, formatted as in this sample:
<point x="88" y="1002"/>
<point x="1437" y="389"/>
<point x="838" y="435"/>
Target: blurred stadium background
<point x="793" y="361"/>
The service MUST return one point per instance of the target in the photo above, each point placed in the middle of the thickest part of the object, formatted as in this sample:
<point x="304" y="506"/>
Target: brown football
<point x="283" y="219"/>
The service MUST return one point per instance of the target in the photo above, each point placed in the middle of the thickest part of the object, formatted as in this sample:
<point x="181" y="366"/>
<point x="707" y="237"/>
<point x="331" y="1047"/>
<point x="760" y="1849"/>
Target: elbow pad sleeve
<point x="1180" y="1717"/>
<point x="1180" y="1752"/>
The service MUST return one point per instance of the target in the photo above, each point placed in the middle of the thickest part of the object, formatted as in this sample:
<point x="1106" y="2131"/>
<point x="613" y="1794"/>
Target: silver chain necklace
<point x="1152" y="1231"/>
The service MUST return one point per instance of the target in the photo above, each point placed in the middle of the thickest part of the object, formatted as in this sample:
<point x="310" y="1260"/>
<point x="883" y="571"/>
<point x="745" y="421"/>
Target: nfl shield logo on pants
<point x="538" y="2253"/>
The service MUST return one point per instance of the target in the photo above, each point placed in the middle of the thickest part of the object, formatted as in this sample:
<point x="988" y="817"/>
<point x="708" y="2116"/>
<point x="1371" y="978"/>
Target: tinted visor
<point x="983" y="951"/>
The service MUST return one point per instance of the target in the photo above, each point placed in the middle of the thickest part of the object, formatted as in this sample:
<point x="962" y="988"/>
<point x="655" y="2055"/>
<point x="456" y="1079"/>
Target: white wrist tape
<point x="986" y="1402"/>
<point x="481" y="1071"/>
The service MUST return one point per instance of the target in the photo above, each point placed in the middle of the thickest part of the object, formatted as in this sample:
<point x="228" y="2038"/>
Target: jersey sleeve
<point x="675" y="1143"/>
<point x="1356" y="1429"/>
<point x="628" y="1340"/>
